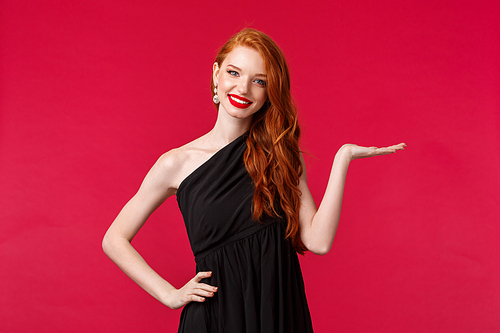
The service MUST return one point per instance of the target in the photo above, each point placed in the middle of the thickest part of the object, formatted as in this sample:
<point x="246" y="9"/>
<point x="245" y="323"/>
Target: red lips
<point x="237" y="104"/>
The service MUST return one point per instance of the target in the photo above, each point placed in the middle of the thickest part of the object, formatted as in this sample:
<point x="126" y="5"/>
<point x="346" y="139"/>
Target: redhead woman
<point x="243" y="194"/>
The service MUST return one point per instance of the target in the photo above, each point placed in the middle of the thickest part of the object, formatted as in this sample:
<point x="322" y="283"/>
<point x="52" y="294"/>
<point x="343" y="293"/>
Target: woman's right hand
<point x="193" y="291"/>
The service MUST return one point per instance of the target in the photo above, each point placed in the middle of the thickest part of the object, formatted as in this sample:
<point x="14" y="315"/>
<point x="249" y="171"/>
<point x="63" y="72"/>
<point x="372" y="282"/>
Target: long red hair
<point x="272" y="157"/>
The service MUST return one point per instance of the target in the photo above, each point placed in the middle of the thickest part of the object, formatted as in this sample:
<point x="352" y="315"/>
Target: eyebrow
<point x="264" y="75"/>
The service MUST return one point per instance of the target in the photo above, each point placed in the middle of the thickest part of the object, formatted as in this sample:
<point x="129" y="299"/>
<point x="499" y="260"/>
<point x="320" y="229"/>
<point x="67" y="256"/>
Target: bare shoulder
<point x="178" y="163"/>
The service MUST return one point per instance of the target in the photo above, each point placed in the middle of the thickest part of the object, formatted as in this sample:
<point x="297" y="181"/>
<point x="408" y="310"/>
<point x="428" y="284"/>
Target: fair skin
<point x="241" y="84"/>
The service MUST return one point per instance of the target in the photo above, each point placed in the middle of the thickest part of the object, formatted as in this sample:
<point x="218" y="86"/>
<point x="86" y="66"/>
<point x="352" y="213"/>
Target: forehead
<point x="245" y="58"/>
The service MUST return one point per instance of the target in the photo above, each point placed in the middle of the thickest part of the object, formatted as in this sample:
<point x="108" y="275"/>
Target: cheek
<point x="223" y="85"/>
<point x="263" y="97"/>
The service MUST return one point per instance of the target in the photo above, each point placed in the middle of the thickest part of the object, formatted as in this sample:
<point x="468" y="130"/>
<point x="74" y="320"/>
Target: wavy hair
<point x="272" y="157"/>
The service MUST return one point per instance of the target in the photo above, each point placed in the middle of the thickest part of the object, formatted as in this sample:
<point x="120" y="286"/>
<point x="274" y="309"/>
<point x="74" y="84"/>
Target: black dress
<point x="257" y="272"/>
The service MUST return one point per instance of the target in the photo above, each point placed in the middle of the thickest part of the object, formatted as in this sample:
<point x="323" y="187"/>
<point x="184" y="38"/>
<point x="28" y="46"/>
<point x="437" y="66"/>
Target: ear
<point x="215" y="74"/>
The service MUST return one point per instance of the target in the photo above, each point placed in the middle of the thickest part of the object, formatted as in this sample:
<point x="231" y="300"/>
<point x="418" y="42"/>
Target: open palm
<point x="363" y="152"/>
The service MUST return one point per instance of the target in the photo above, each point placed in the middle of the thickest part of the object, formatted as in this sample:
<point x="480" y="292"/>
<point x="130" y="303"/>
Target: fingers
<point x="195" y="298"/>
<point x="392" y="149"/>
<point x="202" y="275"/>
<point x="357" y="152"/>
<point x="385" y="151"/>
<point x="199" y="291"/>
<point x="206" y="291"/>
<point x="193" y="291"/>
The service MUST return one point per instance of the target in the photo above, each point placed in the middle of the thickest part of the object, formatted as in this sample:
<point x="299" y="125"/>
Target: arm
<point x="318" y="226"/>
<point x="155" y="189"/>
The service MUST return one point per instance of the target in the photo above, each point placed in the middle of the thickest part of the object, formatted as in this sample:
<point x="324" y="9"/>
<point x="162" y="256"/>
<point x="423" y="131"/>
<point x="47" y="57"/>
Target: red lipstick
<point x="246" y="103"/>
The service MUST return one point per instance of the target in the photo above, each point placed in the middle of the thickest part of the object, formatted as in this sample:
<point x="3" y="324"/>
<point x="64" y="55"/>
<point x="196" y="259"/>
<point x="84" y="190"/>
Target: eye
<point x="261" y="82"/>
<point x="233" y="73"/>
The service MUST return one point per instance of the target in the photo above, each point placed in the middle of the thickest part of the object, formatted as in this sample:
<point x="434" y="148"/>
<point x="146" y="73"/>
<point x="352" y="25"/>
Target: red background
<point x="93" y="92"/>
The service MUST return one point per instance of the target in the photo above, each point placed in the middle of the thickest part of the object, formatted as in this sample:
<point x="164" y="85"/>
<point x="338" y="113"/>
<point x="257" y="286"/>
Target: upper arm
<point x="307" y="205"/>
<point x="157" y="186"/>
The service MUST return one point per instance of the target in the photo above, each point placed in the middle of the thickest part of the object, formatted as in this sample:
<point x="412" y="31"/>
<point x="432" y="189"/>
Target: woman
<point x="243" y="194"/>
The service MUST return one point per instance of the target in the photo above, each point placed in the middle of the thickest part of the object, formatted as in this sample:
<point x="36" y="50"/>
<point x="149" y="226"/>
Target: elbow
<point x="114" y="244"/>
<point x="107" y="244"/>
<point x="319" y="249"/>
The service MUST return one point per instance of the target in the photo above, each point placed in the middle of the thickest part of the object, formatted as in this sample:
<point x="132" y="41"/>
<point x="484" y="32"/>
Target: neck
<point x="228" y="128"/>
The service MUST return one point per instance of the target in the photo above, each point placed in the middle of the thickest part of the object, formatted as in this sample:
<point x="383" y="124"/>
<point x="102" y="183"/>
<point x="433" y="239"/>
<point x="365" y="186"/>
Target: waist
<point x="258" y="226"/>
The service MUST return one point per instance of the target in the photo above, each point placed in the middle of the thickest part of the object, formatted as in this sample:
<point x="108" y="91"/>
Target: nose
<point x="243" y="86"/>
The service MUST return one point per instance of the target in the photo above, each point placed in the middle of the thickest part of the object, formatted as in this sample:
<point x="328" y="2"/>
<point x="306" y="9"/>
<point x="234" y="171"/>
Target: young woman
<point x="243" y="194"/>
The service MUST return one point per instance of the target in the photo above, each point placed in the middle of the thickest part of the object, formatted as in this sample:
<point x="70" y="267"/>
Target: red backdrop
<point x="91" y="93"/>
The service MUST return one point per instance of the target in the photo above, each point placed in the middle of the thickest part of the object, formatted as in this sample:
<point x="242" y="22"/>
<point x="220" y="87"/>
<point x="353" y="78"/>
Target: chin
<point x="240" y="114"/>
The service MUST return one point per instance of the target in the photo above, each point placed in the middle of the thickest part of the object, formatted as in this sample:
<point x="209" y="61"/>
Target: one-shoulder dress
<point x="257" y="272"/>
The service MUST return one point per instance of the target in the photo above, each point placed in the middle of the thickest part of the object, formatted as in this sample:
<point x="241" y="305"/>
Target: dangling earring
<point x="216" y="97"/>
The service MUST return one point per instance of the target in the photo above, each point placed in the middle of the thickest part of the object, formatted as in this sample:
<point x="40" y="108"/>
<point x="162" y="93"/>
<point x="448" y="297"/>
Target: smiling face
<point x="241" y="82"/>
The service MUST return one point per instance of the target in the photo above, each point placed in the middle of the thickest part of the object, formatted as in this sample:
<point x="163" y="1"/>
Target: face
<point x="241" y="82"/>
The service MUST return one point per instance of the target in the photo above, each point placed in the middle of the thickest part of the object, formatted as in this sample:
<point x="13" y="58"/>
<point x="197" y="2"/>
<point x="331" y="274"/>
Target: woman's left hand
<point x="356" y="151"/>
